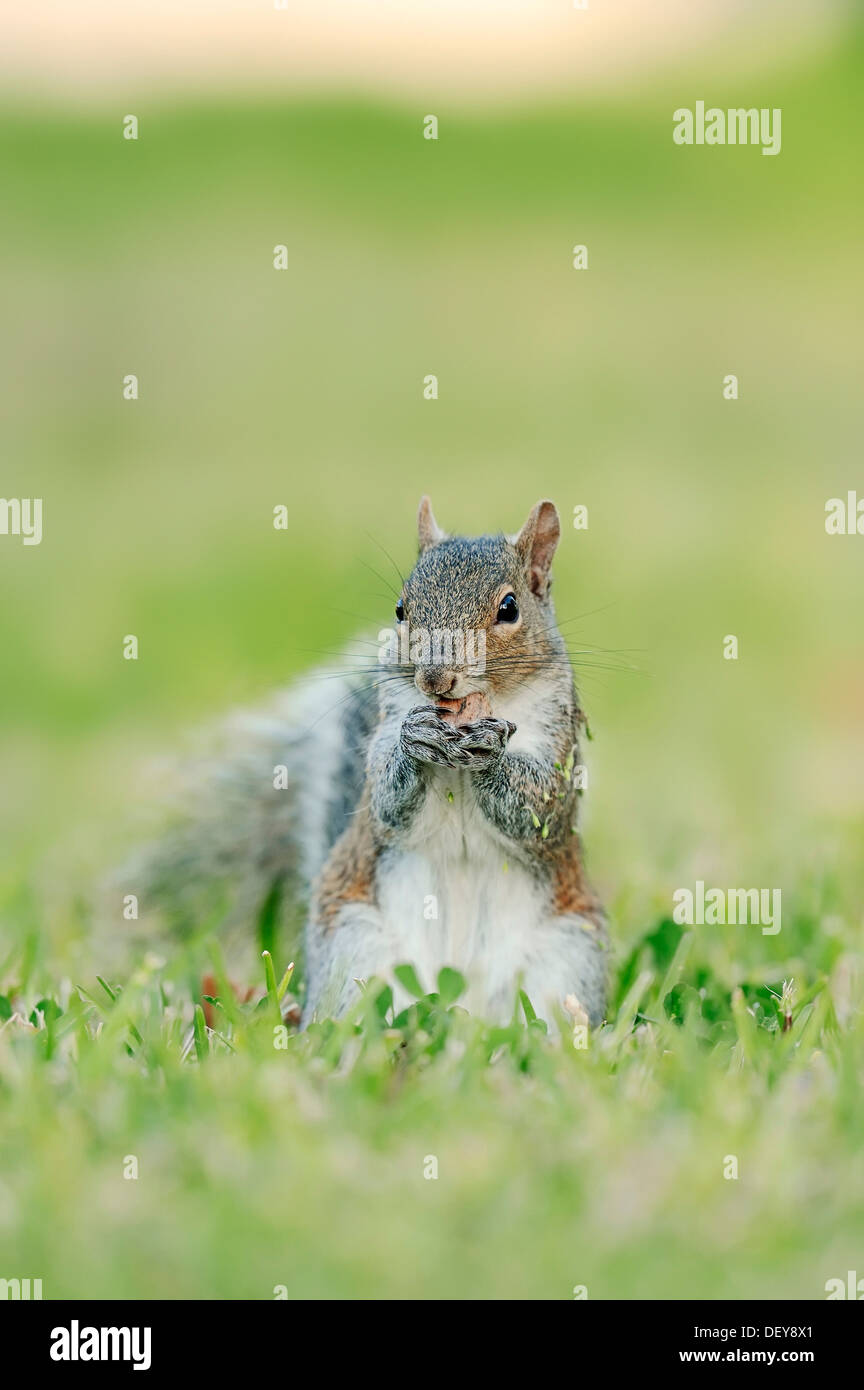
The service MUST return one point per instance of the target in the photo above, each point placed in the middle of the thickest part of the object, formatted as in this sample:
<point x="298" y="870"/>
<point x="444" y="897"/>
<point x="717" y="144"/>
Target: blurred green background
<point x="304" y="387"/>
<point x="600" y="388"/>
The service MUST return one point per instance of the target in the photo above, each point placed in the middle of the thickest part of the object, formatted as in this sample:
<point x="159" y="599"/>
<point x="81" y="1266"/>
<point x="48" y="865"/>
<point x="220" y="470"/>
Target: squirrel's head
<point x="476" y="614"/>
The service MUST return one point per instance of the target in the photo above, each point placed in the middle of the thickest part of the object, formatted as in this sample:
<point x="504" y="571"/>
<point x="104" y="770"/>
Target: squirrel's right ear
<point x="428" y="531"/>
<point x="536" y="544"/>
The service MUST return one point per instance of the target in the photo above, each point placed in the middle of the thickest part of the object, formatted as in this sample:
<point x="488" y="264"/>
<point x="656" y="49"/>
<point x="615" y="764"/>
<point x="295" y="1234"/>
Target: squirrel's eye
<point x="400" y="612"/>
<point x="508" y="610"/>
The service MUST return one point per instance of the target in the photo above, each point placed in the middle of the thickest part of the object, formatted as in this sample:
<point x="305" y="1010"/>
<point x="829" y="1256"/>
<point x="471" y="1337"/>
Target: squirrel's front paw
<point x="483" y="742"/>
<point x="427" y="738"/>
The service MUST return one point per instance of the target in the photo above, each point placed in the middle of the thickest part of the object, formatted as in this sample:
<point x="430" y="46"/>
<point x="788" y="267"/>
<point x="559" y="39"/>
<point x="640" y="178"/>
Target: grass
<point x="271" y="1163"/>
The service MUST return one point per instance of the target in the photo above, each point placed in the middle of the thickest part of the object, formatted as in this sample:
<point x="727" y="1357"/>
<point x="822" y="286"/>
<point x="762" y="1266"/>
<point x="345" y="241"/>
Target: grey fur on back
<point x="233" y="836"/>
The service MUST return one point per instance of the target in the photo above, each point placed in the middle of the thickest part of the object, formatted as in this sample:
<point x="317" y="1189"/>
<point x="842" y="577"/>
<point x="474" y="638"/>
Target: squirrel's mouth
<point x="465" y="711"/>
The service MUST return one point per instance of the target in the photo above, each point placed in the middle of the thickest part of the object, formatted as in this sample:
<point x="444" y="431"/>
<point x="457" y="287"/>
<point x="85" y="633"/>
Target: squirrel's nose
<point x="435" y="680"/>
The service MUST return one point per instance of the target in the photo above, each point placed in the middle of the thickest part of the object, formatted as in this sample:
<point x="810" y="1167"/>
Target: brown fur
<point x="349" y="874"/>
<point x="572" y="892"/>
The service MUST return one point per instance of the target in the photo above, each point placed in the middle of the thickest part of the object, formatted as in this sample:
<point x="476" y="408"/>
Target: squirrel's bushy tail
<point x="254" y="813"/>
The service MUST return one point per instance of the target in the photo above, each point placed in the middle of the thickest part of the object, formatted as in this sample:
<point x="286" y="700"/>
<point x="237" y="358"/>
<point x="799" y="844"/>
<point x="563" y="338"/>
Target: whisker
<point x="380" y="578"/>
<point x="366" y="691"/>
<point x="388" y="555"/>
<point x="566" y="622"/>
<point x="359" y="617"/>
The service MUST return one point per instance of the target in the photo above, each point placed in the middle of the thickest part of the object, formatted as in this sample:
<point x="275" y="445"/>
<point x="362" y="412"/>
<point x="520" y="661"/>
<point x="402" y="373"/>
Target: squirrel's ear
<point x="428" y="530"/>
<point x="536" y="545"/>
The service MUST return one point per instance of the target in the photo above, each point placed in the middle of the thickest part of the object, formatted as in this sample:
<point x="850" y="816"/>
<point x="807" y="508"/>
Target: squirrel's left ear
<point x="429" y="533"/>
<point x="536" y="545"/>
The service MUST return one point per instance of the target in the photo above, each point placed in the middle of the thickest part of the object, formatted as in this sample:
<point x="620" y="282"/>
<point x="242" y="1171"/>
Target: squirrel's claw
<point x="428" y="738"/>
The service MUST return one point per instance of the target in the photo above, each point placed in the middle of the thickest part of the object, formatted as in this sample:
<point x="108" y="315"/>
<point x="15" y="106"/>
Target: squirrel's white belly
<point x="450" y="896"/>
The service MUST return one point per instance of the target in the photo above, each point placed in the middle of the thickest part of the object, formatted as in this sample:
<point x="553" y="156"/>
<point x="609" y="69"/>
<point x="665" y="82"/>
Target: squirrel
<point x="430" y="816"/>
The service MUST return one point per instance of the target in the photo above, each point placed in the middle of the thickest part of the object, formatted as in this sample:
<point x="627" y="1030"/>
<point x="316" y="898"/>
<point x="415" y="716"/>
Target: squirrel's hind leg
<point x="353" y="946"/>
<point x="568" y="958"/>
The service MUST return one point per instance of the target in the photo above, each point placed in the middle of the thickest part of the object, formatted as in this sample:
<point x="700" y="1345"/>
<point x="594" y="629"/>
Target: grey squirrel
<point x="429" y="814"/>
